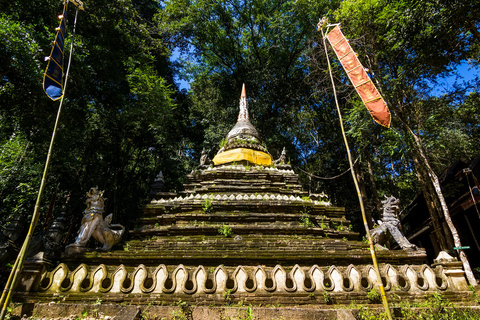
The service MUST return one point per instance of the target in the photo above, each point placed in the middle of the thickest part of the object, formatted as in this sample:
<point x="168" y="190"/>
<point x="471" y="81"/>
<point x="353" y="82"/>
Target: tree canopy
<point x="126" y="119"/>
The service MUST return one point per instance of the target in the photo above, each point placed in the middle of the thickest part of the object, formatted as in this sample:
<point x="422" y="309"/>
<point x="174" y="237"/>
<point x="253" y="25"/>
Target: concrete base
<point x="185" y="311"/>
<point x="123" y="312"/>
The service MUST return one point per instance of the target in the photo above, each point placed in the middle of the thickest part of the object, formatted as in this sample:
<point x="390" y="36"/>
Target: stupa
<point x="243" y="232"/>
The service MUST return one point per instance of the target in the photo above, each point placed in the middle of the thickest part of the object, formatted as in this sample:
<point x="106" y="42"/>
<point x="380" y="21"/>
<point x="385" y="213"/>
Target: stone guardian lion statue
<point x="93" y="224"/>
<point x="390" y="226"/>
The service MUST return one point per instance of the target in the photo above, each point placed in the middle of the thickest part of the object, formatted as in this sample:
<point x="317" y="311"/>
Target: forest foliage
<point x="125" y="117"/>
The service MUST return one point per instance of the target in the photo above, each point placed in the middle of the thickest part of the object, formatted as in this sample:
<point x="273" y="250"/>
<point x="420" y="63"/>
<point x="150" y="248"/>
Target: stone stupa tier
<point x="243" y="230"/>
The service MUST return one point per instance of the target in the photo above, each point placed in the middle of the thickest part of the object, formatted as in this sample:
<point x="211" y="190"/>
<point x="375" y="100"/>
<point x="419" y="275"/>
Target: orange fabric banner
<point x="360" y="79"/>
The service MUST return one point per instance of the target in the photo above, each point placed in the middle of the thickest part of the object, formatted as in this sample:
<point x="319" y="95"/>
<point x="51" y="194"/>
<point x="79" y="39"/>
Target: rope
<point x="328" y="178"/>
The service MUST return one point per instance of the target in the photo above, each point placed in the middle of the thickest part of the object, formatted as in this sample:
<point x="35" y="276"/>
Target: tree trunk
<point x="378" y="204"/>
<point x="385" y="174"/>
<point x="429" y="201"/>
<point x="472" y="28"/>
<point x="436" y="183"/>
<point x="363" y="192"/>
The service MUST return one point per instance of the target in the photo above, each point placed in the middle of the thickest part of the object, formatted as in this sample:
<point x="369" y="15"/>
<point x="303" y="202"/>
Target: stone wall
<point x="261" y="284"/>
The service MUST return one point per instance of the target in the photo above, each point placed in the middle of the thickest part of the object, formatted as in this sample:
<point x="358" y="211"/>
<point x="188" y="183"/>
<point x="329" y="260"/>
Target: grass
<point x="435" y="307"/>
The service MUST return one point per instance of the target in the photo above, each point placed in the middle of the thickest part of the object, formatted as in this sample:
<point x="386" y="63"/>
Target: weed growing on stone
<point x="145" y="313"/>
<point x="225" y="230"/>
<point x="373" y="295"/>
<point x="184" y="314"/>
<point x="305" y="221"/>
<point x="475" y="296"/>
<point x="223" y="143"/>
<point x="365" y="240"/>
<point x="434" y="308"/>
<point x="8" y="314"/>
<point x="207" y="206"/>
<point x="338" y="227"/>
<point x="178" y="315"/>
<point x="323" y="225"/>
<point x="228" y="297"/>
<point x="241" y="142"/>
<point x="248" y="316"/>
<point x="249" y="313"/>
<point x="366" y="313"/>
<point x="326" y="297"/>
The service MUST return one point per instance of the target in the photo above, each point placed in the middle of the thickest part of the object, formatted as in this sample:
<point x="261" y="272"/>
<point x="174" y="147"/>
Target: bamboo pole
<point x="360" y="200"/>
<point x="18" y="266"/>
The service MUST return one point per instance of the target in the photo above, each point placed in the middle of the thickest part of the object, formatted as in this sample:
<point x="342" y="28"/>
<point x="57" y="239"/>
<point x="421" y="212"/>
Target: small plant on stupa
<point x="339" y="227"/>
<point x="323" y="225"/>
<point x="225" y="230"/>
<point x="228" y="297"/>
<point x="373" y="295"/>
<point x="326" y="297"/>
<point x="306" y="221"/>
<point x="223" y="143"/>
<point x="207" y="206"/>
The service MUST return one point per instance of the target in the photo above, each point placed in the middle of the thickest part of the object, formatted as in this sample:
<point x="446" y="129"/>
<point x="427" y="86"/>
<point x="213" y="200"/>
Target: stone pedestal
<point x="453" y="270"/>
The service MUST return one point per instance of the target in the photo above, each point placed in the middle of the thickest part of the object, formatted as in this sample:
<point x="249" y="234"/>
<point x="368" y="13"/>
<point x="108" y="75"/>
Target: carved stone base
<point x="278" y="284"/>
<point x="32" y="275"/>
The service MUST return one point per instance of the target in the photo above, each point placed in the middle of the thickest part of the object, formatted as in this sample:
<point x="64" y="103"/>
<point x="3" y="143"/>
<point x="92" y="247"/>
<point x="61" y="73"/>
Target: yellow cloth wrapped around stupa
<point x="239" y="154"/>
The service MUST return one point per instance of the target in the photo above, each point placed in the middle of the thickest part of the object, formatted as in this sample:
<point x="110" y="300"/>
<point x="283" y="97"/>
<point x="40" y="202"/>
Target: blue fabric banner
<point x="53" y="77"/>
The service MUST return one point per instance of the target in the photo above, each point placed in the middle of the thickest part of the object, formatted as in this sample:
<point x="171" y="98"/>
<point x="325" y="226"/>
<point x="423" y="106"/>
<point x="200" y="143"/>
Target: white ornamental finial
<point x="243" y="115"/>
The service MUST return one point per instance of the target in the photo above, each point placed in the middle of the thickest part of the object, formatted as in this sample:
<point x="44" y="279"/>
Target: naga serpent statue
<point x="390" y="226"/>
<point x="93" y="224"/>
